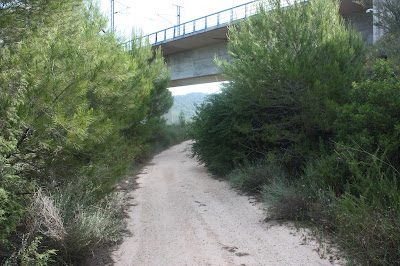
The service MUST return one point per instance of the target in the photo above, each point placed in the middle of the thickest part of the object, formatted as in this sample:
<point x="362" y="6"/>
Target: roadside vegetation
<point x="310" y="122"/>
<point x="76" y="110"/>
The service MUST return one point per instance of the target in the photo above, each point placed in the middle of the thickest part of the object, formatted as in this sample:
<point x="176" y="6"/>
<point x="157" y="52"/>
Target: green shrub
<point x="364" y="170"/>
<point x="11" y="212"/>
<point x="173" y="134"/>
<point x="284" y="200"/>
<point x="364" y="217"/>
<point x="156" y="135"/>
<point x="368" y="214"/>
<point x="371" y="121"/>
<point x="358" y="200"/>
<point x="251" y="177"/>
<point x="72" y="102"/>
<point x="327" y="172"/>
<point x="388" y="47"/>
<point x="320" y="182"/>
<point x="30" y="255"/>
<point x="214" y="141"/>
<point x="302" y="198"/>
<point x="290" y="69"/>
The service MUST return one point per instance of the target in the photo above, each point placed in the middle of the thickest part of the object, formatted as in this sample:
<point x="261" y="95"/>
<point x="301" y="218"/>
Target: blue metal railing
<point x="213" y="21"/>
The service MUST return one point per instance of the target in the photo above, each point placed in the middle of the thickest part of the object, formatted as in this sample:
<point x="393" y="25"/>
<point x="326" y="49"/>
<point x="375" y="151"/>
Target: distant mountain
<point x="185" y="103"/>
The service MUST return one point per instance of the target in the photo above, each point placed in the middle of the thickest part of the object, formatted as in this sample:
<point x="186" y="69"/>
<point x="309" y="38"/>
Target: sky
<point x="148" y="16"/>
<point x="154" y="15"/>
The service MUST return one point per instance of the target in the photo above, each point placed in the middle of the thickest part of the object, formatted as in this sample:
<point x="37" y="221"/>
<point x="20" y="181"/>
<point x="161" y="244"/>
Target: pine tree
<point x="291" y="67"/>
<point x="72" y="99"/>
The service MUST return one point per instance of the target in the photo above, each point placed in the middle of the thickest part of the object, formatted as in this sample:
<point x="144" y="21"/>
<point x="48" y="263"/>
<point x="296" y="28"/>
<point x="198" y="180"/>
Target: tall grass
<point x="88" y="222"/>
<point x="365" y="218"/>
<point x="284" y="200"/>
<point x="368" y="213"/>
<point x="72" y="223"/>
<point x="252" y="176"/>
<point x="362" y="213"/>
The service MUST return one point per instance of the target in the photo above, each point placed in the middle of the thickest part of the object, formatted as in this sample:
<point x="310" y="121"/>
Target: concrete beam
<point x="192" y="41"/>
<point x="197" y="80"/>
<point x="196" y="66"/>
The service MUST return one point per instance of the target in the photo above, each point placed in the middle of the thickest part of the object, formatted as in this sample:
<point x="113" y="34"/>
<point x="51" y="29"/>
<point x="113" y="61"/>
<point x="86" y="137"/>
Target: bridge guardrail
<point x="215" y="20"/>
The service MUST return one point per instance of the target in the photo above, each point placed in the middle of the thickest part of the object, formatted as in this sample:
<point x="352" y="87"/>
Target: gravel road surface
<point x="182" y="216"/>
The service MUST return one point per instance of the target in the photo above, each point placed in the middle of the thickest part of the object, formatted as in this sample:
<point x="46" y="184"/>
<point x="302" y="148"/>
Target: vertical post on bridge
<point x="178" y="18"/>
<point x="112" y="15"/>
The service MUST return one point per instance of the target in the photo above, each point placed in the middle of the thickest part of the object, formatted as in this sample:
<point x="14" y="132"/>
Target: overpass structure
<point x="190" y="48"/>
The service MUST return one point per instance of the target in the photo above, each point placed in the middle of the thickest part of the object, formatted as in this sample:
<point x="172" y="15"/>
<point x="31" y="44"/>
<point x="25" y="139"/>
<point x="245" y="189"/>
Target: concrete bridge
<point x="190" y="48"/>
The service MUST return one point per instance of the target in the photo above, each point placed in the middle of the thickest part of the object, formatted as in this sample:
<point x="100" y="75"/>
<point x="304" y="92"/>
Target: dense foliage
<point x="311" y="126"/>
<point x="290" y="69"/>
<point x="212" y="129"/>
<point x="76" y="109"/>
<point x="388" y="48"/>
<point x="371" y="121"/>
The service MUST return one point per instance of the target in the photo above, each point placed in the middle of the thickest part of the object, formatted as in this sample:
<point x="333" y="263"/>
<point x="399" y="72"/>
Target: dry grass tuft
<point x="47" y="219"/>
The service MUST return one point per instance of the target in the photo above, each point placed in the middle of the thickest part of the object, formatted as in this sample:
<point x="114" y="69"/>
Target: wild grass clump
<point x="72" y="223"/>
<point x="284" y="200"/>
<point x="251" y="177"/>
<point x="363" y="215"/>
<point x="319" y="195"/>
<point x="47" y="218"/>
<point x="90" y="227"/>
<point x="87" y="221"/>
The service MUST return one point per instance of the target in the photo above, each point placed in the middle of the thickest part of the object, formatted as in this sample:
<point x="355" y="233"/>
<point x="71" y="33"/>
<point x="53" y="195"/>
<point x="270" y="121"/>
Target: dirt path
<point x="181" y="216"/>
